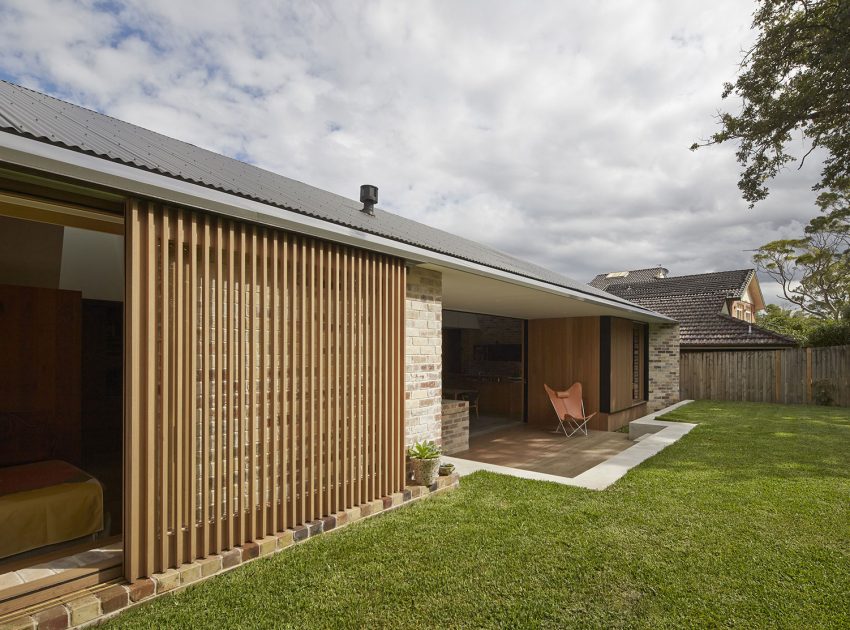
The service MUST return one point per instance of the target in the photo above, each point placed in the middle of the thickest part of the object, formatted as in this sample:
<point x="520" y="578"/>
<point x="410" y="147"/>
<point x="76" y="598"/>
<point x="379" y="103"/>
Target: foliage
<point x="742" y="523"/>
<point x="786" y="322"/>
<point x="424" y="450"/>
<point x="794" y="81"/>
<point x="823" y="392"/>
<point x="829" y="333"/>
<point x="814" y="270"/>
<point x="805" y="330"/>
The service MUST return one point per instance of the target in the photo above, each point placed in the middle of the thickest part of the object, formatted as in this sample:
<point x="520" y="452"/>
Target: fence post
<point x="809" y="375"/>
<point x="777" y="385"/>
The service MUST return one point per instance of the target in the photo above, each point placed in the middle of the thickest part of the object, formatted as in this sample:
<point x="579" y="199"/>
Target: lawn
<point x="743" y="523"/>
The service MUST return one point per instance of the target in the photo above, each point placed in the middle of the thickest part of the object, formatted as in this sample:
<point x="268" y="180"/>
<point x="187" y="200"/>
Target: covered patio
<point x="594" y="461"/>
<point x="524" y="447"/>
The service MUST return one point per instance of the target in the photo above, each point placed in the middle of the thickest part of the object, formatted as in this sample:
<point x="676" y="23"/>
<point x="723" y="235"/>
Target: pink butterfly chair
<point x="569" y="406"/>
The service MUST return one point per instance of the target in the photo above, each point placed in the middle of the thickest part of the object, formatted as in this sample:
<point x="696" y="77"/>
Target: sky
<point x="558" y="132"/>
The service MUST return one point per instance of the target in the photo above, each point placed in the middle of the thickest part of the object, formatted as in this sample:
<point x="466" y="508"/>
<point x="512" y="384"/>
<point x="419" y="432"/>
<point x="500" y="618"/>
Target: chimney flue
<point x="369" y="197"/>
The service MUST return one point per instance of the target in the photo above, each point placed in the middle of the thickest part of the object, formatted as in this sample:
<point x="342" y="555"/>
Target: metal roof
<point x="41" y="117"/>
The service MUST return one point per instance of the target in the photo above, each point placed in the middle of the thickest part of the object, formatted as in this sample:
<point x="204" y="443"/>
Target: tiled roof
<point x="696" y="302"/>
<point x="701" y="323"/>
<point x="34" y="115"/>
<point x="727" y="283"/>
<point x="605" y="280"/>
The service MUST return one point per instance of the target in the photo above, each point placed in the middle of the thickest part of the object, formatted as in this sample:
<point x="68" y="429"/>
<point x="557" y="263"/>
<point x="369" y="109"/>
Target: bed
<point x="45" y="499"/>
<point x="45" y="503"/>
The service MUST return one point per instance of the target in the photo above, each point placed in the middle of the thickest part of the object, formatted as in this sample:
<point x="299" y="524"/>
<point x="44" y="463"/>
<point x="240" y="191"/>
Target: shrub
<point x="823" y="392"/>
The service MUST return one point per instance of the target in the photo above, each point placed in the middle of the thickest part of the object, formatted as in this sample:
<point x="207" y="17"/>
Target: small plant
<point x="446" y="469"/>
<point x="424" y="461"/>
<point x="424" y="450"/>
<point x="823" y="392"/>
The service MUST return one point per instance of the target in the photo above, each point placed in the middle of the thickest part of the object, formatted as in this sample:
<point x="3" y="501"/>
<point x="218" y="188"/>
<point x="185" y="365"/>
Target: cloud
<point x="558" y="132"/>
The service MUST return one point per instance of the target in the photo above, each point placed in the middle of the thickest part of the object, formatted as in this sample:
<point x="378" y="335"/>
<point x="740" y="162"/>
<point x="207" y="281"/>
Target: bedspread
<point x="46" y="503"/>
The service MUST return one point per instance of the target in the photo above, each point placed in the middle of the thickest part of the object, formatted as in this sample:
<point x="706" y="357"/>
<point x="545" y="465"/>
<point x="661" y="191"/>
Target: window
<point x="638" y="352"/>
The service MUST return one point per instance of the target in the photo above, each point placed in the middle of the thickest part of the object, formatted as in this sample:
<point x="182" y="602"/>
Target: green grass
<point x="743" y="523"/>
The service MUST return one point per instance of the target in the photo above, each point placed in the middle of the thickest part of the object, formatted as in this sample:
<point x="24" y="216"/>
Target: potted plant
<point x="424" y="460"/>
<point x="446" y="469"/>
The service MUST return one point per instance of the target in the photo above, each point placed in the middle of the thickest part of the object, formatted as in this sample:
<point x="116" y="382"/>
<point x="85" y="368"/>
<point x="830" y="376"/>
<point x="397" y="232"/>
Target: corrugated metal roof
<point x="45" y="118"/>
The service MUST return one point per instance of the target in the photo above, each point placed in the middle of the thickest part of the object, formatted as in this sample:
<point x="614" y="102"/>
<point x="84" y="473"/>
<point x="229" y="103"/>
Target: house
<point x="200" y="357"/>
<point x="715" y="310"/>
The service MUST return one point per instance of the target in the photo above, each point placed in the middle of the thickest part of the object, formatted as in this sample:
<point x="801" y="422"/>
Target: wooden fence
<point x="263" y="383"/>
<point x="782" y="376"/>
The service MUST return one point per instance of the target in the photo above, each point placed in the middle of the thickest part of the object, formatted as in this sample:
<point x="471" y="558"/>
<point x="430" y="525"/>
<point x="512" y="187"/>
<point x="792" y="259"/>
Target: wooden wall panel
<point x="560" y="352"/>
<point x="40" y="375"/>
<point x="263" y="382"/>
<point x="621" y="363"/>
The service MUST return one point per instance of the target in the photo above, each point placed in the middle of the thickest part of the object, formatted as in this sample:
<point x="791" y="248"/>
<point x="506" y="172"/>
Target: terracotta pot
<point x="424" y="470"/>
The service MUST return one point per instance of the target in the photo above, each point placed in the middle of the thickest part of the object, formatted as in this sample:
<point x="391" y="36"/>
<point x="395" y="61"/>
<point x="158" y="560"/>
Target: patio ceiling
<point x="474" y="293"/>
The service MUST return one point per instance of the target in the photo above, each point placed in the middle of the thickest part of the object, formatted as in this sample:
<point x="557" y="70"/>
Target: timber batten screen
<point x="264" y="382"/>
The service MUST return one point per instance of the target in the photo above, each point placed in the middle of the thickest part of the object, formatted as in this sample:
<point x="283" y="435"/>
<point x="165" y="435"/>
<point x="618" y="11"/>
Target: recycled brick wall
<point x="493" y="330"/>
<point x="663" y="366"/>
<point x="455" y="421"/>
<point x="423" y="356"/>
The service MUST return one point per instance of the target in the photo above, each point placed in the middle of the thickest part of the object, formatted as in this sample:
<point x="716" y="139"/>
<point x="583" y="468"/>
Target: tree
<point x="814" y="270"/>
<point x="829" y="333"/>
<point x="786" y="322"/>
<point x="795" y="80"/>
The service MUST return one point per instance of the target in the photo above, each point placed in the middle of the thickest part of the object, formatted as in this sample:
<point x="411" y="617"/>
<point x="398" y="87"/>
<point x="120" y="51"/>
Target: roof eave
<point x="45" y="157"/>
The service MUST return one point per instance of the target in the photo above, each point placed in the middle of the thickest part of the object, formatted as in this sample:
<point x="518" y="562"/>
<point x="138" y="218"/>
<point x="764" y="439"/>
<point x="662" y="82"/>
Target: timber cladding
<point x="263" y="382"/>
<point x="560" y="352"/>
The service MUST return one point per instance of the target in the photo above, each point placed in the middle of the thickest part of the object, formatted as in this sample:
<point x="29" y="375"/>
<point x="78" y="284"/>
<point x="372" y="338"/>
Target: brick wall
<point x="492" y="330"/>
<point x="663" y="365"/>
<point x="423" y="356"/>
<point x="455" y="426"/>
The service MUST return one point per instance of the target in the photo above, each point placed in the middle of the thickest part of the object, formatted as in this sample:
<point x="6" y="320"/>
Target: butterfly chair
<point x="569" y="406"/>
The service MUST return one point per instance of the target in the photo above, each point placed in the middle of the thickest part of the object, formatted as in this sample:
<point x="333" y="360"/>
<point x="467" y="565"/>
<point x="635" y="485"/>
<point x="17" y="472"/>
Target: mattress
<point x="46" y="503"/>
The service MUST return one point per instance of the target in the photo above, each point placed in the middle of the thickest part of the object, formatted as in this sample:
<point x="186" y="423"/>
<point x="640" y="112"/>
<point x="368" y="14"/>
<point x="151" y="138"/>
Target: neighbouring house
<point x="715" y="310"/>
<point x="201" y="359"/>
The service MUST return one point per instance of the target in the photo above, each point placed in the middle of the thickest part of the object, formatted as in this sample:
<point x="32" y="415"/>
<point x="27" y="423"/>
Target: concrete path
<point x="655" y="436"/>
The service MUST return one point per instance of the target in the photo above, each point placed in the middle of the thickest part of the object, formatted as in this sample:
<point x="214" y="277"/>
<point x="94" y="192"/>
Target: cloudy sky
<point x="556" y="131"/>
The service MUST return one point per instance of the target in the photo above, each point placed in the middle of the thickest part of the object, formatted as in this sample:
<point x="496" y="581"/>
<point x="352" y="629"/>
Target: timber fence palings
<point x="778" y="376"/>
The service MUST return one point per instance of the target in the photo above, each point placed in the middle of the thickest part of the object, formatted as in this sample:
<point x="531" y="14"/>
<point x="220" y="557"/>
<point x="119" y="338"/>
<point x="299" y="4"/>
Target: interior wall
<point x="561" y="352"/>
<point x="30" y="253"/>
<point x="484" y="354"/>
<point x="39" y="375"/>
<point x="93" y="263"/>
<point x="49" y="256"/>
<point x="491" y="330"/>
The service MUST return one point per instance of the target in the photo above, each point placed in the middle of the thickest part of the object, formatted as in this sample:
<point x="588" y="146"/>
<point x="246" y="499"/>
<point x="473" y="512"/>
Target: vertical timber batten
<point x="263" y="382"/>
